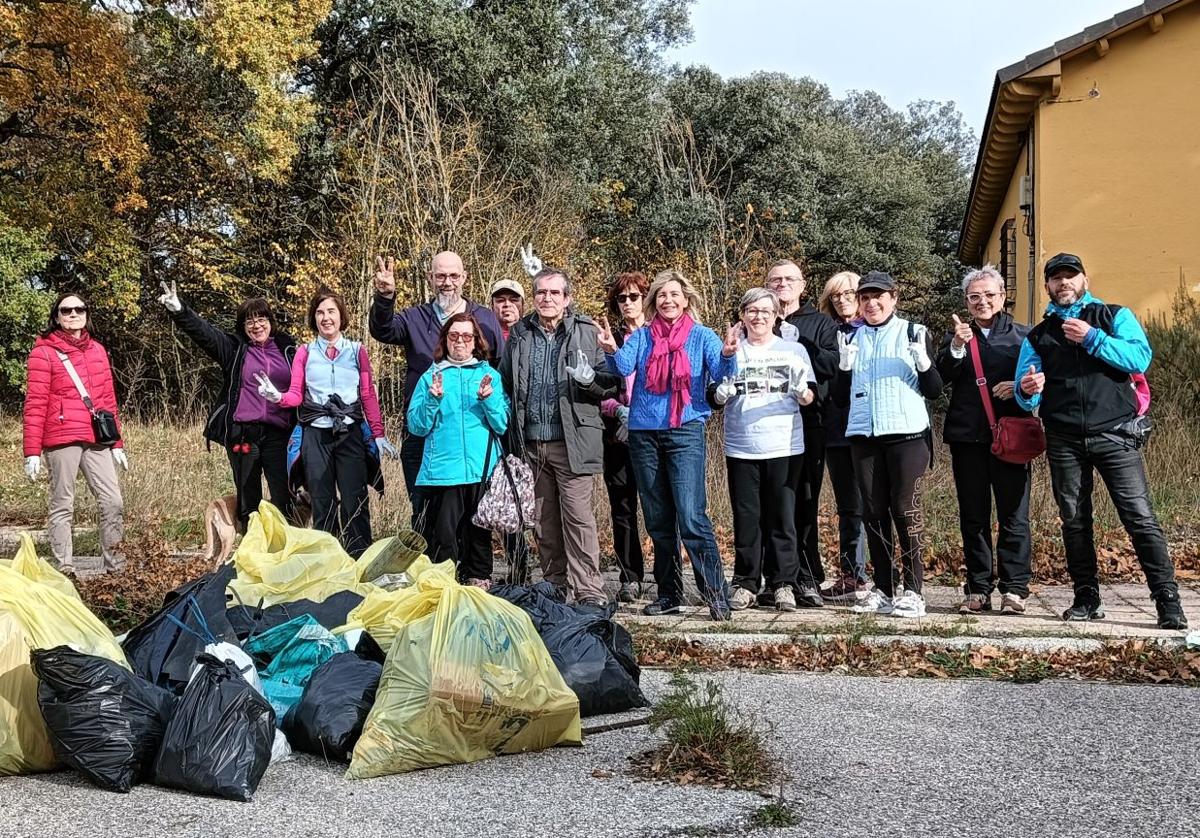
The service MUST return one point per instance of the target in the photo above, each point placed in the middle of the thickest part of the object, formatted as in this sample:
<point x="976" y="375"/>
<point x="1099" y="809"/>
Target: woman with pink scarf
<point x="673" y="359"/>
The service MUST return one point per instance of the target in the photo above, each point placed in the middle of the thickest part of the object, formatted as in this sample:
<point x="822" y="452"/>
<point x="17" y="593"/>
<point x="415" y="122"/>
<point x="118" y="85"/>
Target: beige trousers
<point x="568" y="545"/>
<point x="100" y="472"/>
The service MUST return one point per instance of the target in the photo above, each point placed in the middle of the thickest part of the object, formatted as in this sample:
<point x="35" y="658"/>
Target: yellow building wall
<point x="1010" y="208"/>
<point x="1117" y="160"/>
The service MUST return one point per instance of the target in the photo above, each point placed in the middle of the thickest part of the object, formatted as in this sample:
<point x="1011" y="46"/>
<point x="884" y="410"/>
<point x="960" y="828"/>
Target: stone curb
<point x="1037" y="645"/>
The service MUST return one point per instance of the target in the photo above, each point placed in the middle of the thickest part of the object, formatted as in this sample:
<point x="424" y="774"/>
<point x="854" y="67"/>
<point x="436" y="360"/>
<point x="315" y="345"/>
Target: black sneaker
<point x="1170" y="611"/>
<point x="1086" y="606"/>
<point x="630" y="592"/>
<point x="661" y="606"/>
<point x="809" y="597"/>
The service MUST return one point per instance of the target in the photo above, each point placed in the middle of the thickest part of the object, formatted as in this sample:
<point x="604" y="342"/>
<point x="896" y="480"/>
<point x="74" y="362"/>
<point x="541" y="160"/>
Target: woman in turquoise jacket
<point x="459" y="407"/>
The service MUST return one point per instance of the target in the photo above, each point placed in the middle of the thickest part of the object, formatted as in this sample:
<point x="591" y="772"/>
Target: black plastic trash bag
<point x="329" y="717"/>
<point x="104" y="721"/>
<point x="219" y="740"/>
<point x="593" y="653"/>
<point x="330" y="612"/>
<point x="163" y="649"/>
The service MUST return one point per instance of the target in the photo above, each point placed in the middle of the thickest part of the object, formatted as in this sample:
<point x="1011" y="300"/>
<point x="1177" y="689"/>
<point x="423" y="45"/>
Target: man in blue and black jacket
<point x="1074" y="369"/>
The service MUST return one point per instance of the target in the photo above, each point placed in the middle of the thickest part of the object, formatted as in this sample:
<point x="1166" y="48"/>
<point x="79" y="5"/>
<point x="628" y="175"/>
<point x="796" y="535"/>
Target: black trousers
<point x="412" y="452"/>
<point x="267" y="456"/>
<point x="978" y="476"/>
<point x="335" y="469"/>
<point x="623" y="503"/>
<point x="450" y="534"/>
<point x="1073" y="462"/>
<point x="851" y="559"/>
<point x="890" y="476"/>
<point x="808" y="499"/>
<point x="763" y="496"/>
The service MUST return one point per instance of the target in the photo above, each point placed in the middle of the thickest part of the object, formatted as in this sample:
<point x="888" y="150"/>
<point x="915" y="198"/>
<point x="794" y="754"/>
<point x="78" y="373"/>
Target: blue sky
<point x="904" y="49"/>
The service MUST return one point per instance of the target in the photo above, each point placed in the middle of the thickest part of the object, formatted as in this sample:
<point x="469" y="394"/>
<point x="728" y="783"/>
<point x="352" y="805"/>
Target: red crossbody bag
<point x="1015" y="439"/>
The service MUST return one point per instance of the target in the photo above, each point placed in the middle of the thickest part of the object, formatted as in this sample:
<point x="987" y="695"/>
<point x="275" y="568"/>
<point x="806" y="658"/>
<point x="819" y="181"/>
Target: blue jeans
<point x="668" y="466"/>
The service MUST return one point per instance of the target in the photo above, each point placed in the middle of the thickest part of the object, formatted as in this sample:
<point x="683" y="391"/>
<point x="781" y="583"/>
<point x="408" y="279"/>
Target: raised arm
<point x="295" y="393"/>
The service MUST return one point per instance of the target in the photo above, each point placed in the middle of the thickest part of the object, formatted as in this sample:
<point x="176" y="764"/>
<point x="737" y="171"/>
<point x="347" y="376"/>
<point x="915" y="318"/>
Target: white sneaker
<point x="909" y="604"/>
<point x="875" y="602"/>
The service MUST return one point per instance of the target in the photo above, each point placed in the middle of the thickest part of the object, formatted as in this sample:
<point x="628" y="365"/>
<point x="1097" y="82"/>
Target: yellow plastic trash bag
<point x="33" y="567"/>
<point x="466" y="678"/>
<point x="24" y="741"/>
<point x="280" y="563"/>
<point x="51" y="618"/>
<point x="384" y="613"/>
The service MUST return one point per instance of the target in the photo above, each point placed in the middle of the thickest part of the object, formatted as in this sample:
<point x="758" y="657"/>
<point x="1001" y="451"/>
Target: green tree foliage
<point x="23" y="307"/>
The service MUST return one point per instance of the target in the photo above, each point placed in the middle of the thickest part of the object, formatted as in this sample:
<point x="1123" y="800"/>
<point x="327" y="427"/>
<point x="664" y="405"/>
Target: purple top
<point x="251" y="406"/>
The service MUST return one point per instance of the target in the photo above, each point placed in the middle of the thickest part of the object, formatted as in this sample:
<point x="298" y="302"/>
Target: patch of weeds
<point x="775" y="815"/>
<point x="708" y="741"/>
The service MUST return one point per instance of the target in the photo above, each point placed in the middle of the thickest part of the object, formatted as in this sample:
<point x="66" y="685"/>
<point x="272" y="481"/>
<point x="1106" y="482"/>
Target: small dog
<point x="220" y="527"/>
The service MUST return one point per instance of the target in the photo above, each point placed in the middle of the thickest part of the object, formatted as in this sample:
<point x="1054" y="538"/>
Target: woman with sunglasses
<point x="59" y="428"/>
<point x="253" y="431"/>
<point x="458" y="408"/>
<point x="625" y="296"/>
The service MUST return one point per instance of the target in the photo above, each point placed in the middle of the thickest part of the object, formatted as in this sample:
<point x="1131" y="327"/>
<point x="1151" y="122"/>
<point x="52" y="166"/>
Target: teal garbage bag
<point x="286" y="656"/>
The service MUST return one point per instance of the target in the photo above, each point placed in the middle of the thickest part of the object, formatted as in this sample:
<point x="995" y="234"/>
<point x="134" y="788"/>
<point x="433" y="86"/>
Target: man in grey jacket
<point x="556" y="376"/>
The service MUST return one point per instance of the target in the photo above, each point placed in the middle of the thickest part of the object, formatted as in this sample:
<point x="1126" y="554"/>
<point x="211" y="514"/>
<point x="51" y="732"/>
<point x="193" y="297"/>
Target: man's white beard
<point x="449" y="300"/>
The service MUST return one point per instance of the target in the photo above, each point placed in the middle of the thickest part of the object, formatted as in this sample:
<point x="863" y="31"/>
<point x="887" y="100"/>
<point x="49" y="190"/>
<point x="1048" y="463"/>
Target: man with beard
<point x="416" y="329"/>
<point x="1074" y="369"/>
<point x="817" y="332"/>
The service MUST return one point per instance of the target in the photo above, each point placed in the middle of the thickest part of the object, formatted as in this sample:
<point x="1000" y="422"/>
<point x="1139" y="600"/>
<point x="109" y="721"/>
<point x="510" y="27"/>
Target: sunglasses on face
<point x="72" y="309"/>
<point x="460" y="337"/>
<point x="629" y="298"/>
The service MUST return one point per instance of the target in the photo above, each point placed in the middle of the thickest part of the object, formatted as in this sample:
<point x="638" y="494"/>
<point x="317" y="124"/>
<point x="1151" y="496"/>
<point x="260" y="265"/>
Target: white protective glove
<point x="266" y="389"/>
<point x="170" y="297"/>
<point x="583" y="373"/>
<point x="532" y="263"/>
<point x="119" y="458"/>
<point x="622" y="432"/>
<point x="918" y="350"/>
<point x="847" y="351"/>
<point x="33" y="467"/>
<point x="386" y="449"/>
<point x="725" y="391"/>
<point x="799" y="383"/>
<point x="789" y="332"/>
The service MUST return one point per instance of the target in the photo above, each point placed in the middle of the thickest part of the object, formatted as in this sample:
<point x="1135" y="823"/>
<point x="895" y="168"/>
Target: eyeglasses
<point x="628" y="298"/>
<point x="790" y="280"/>
<point x="72" y="309"/>
<point x="548" y="292"/>
<point x="252" y="322"/>
<point x="460" y="337"/>
<point x="451" y="277"/>
<point x="849" y="294"/>
<point x="979" y="298"/>
<point x="758" y="312"/>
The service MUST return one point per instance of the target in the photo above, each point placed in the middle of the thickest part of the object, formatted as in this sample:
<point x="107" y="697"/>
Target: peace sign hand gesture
<point x="485" y="387"/>
<point x="604" y="337"/>
<point x="170" y="297"/>
<point x="435" y="385"/>
<point x="732" y="334"/>
<point x="385" y="275"/>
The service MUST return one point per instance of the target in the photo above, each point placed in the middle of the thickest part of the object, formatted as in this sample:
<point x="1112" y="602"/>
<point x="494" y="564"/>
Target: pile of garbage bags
<point x="386" y="663"/>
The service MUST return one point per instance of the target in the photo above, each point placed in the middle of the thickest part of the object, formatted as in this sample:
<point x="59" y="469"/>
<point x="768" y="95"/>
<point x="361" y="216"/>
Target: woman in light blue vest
<point x="889" y="361"/>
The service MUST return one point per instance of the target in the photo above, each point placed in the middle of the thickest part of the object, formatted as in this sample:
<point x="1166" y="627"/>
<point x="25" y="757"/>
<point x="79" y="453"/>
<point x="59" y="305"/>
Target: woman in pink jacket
<point x="59" y="432"/>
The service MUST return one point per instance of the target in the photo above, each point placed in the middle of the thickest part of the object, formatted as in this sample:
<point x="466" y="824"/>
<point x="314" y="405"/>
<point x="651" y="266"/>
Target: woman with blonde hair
<point x="839" y="300"/>
<point x="673" y="358"/>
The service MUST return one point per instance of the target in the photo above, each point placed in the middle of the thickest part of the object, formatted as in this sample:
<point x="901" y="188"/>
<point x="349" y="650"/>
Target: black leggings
<point x="889" y="472"/>
<point x="267" y="456"/>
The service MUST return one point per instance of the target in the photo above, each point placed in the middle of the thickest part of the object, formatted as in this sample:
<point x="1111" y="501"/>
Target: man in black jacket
<point x="818" y="334"/>
<point x="978" y="474"/>
<point x="1074" y="369"/>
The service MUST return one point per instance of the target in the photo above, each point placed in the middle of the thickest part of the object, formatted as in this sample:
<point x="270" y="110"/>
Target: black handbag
<point x="104" y="423"/>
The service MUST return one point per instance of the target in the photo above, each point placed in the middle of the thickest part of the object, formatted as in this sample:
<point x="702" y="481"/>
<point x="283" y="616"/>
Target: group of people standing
<point x="798" y="385"/>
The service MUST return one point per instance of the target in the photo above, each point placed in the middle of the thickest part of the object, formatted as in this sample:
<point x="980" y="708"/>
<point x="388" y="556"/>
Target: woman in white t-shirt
<point x="764" y="453"/>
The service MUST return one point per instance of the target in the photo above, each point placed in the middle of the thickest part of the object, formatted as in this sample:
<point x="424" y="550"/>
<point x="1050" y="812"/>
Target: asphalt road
<point x="874" y="757"/>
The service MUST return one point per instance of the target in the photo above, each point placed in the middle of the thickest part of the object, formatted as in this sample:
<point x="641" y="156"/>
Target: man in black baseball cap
<point x="876" y="281"/>
<point x="1074" y="368"/>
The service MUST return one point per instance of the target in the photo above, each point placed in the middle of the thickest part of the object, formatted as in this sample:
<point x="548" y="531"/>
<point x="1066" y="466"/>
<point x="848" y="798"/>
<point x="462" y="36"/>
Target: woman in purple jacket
<point x="673" y="358"/>
<point x="253" y="431"/>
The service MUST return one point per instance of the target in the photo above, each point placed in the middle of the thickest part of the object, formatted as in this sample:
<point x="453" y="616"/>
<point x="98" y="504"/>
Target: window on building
<point x="1008" y="260"/>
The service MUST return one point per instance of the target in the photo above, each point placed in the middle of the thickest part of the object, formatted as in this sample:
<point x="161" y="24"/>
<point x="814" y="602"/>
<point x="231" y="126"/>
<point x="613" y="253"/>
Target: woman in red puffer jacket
<point x="58" y="428"/>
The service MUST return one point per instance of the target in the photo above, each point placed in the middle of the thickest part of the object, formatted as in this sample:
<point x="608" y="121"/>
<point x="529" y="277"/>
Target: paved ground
<point x="1129" y="613"/>
<point x="867" y="756"/>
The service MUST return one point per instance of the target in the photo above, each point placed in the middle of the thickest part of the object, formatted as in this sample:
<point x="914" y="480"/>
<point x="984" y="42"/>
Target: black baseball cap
<point x="1064" y="260"/>
<point x="876" y="281"/>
